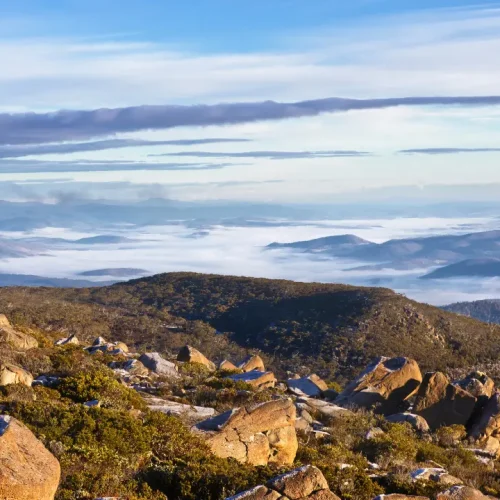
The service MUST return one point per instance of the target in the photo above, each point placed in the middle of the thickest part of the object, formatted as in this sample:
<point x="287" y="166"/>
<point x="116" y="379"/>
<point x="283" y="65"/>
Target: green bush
<point x="100" y="384"/>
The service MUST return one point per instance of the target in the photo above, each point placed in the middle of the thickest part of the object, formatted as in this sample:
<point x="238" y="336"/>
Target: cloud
<point x="447" y="151"/>
<point x="45" y="149"/>
<point x="38" y="128"/>
<point x="31" y="166"/>
<point x="272" y="155"/>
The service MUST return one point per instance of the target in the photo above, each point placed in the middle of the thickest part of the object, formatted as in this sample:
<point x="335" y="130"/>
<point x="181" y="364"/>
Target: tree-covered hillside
<point x="333" y="329"/>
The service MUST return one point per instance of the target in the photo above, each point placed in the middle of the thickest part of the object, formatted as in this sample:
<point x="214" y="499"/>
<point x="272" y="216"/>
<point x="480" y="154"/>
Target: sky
<point x="282" y="101"/>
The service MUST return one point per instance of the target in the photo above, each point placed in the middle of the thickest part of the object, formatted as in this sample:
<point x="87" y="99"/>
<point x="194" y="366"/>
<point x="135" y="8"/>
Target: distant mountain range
<point x="474" y="254"/>
<point x="32" y="280"/>
<point x="486" y="268"/>
<point x="485" y="310"/>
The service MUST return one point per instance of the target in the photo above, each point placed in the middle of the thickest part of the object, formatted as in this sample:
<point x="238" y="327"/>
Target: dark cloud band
<point x="21" y="150"/>
<point x="32" y="128"/>
<point x="447" y="151"/>
<point x="271" y="155"/>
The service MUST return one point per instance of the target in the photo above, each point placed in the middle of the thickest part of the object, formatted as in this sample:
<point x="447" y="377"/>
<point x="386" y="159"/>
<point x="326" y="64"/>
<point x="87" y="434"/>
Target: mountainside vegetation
<point x="328" y="328"/>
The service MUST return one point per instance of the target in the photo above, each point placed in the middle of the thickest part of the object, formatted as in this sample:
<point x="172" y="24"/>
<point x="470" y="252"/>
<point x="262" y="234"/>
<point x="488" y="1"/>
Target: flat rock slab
<point x="194" y="413"/>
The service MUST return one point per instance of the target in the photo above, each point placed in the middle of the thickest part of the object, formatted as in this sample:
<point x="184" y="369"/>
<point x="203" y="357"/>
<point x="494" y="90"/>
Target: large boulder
<point x="252" y="363"/>
<point x="384" y="385"/>
<point x="311" y="386"/>
<point x="461" y="493"/>
<point x="257" y="435"/>
<point x="304" y="483"/>
<point x="259" y="380"/>
<point x="154" y="362"/>
<point x="15" y="339"/>
<point x="189" y="354"/>
<point x="442" y="403"/>
<point x="28" y="471"/>
<point x="12" y="374"/>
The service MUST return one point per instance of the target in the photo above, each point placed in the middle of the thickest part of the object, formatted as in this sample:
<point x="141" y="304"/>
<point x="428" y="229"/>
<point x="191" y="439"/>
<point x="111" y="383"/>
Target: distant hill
<point x="107" y="239"/>
<point x="403" y="253"/>
<point x="331" y="329"/>
<point x="118" y="272"/>
<point x="484" y="310"/>
<point x="334" y="245"/>
<point x="488" y="268"/>
<point x="328" y="327"/>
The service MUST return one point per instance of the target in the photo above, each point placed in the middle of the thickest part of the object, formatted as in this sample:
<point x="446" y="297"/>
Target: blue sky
<point x="77" y="55"/>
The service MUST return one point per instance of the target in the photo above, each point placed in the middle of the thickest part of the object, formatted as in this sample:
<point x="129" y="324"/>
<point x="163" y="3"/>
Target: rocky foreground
<point x="383" y="436"/>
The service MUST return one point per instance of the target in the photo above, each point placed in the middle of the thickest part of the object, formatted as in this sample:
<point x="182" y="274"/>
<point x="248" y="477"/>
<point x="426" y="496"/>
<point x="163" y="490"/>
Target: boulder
<point x="121" y="346"/>
<point x="12" y="374"/>
<point x="131" y="366"/>
<point x="461" y="493"/>
<point x="304" y="483"/>
<point x="72" y="339"/>
<point x="257" y="493"/>
<point x="478" y="384"/>
<point x="228" y="366"/>
<point x="252" y="363"/>
<point x="436" y="475"/>
<point x="258" y="435"/>
<point x="189" y="354"/>
<point x="28" y="471"/>
<point x="154" y="362"/>
<point x="100" y="345"/>
<point x="311" y="386"/>
<point x="299" y="483"/>
<point x="441" y="403"/>
<point x="15" y="339"/>
<point x="259" y="380"/>
<point x="384" y="385"/>
<point x="416" y="421"/>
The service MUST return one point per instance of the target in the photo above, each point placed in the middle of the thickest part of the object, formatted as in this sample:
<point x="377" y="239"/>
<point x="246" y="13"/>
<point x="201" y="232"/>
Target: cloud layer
<point x="39" y="128"/>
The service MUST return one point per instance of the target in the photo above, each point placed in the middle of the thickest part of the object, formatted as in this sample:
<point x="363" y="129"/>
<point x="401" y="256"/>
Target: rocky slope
<point x="102" y="420"/>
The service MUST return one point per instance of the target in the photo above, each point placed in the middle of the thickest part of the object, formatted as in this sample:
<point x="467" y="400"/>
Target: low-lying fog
<point x="240" y="251"/>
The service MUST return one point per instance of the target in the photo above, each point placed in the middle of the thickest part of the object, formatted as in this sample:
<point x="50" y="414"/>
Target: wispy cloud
<point x="33" y="128"/>
<point x="30" y="166"/>
<point x="271" y="155"/>
<point x="447" y="151"/>
<point x="78" y="147"/>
